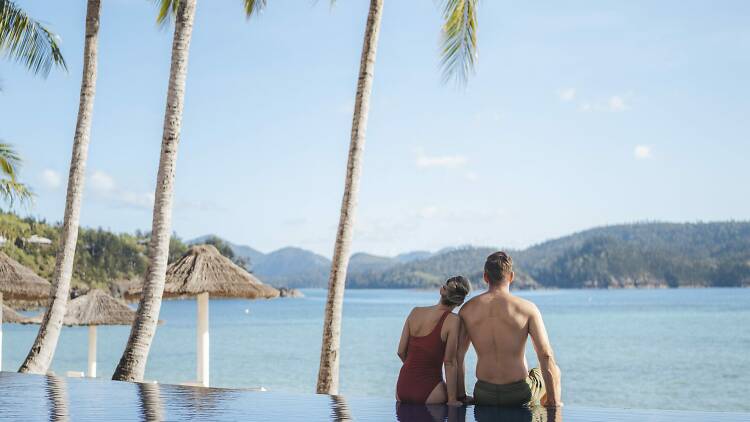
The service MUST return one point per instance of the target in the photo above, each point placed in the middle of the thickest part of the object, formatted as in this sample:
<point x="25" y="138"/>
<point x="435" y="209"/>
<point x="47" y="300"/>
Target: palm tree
<point x="28" y="41"/>
<point x="40" y="355"/>
<point x="132" y="363"/>
<point x="458" y="57"/>
<point x="11" y="189"/>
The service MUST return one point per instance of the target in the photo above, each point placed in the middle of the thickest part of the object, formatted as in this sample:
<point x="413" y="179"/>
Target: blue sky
<point x="581" y="113"/>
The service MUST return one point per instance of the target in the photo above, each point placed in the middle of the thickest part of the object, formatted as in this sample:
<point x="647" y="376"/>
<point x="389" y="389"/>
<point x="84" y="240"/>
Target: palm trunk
<point x="328" y="373"/>
<point x="133" y="361"/>
<point x="43" y="349"/>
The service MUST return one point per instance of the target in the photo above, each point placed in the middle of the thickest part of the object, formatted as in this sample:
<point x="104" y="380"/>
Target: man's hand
<point x="467" y="400"/>
<point x="549" y="403"/>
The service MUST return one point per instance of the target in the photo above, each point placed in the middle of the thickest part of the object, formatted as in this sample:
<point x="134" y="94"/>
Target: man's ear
<point x="511" y="277"/>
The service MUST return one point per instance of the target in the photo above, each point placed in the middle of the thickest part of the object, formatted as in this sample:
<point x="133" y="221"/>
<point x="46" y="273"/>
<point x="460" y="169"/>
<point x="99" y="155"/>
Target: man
<point x="497" y="324"/>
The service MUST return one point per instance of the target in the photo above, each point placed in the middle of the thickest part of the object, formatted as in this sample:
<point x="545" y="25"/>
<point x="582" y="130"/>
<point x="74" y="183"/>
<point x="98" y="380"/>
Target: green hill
<point x="628" y="255"/>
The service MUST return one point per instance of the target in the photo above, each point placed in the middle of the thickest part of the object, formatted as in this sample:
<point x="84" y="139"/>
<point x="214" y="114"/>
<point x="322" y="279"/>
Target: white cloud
<point x="567" y="94"/>
<point x="642" y="152"/>
<point x="614" y="104"/>
<point x="50" y="179"/>
<point x="617" y="103"/>
<point x="105" y="187"/>
<point x="101" y="182"/>
<point x="471" y="176"/>
<point x="428" y="212"/>
<point x="446" y="161"/>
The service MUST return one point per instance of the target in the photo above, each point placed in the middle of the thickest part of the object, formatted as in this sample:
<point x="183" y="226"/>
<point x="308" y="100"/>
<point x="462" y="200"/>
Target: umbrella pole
<point x="92" y="352"/>
<point x="202" y="337"/>
<point x="1" y="331"/>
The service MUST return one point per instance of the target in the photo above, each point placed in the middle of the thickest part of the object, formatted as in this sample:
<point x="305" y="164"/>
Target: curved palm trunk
<point x="133" y="361"/>
<point x="328" y="373"/>
<point x="43" y="349"/>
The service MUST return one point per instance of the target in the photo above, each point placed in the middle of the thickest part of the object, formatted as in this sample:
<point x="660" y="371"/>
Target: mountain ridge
<point x="649" y="254"/>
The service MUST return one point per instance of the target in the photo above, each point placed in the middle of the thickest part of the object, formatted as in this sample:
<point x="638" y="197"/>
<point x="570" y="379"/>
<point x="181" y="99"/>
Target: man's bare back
<point x="497" y="324"/>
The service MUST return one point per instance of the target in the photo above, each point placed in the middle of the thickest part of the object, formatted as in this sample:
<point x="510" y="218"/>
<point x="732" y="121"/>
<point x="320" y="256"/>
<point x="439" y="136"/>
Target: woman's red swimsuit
<point x="423" y="369"/>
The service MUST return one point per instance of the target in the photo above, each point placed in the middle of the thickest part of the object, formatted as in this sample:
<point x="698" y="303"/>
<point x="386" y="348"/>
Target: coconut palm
<point x="458" y="57"/>
<point x="40" y="355"/>
<point x="11" y="189"/>
<point x="28" y="41"/>
<point x="132" y="363"/>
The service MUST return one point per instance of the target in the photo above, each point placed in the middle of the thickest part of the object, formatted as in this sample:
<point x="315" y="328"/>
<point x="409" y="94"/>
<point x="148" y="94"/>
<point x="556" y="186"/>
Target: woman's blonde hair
<point x="456" y="289"/>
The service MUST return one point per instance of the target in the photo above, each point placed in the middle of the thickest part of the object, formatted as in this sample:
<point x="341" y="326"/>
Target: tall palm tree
<point x="11" y="190"/>
<point x="132" y="363"/>
<point x="40" y="355"/>
<point x="27" y="40"/>
<point x="458" y="57"/>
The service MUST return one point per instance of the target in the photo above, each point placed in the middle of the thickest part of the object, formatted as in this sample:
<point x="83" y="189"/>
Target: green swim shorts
<point x="526" y="392"/>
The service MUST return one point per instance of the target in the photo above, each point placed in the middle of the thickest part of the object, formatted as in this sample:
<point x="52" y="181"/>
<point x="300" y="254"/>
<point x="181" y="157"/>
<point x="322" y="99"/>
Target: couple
<point x="497" y="324"/>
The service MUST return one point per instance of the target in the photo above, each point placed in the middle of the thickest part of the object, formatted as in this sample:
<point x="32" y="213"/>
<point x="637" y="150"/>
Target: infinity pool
<point x="36" y="398"/>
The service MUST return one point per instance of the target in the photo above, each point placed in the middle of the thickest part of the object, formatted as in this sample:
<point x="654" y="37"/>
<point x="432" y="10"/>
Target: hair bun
<point x="456" y="289"/>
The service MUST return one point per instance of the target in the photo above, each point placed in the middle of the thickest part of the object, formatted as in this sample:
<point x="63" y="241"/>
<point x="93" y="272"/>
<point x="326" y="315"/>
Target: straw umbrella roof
<point x="12" y="317"/>
<point x="98" y="308"/>
<point x="204" y="270"/>
<point x="20" y="283"/>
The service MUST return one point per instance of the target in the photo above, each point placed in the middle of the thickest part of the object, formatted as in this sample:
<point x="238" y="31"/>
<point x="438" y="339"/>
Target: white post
<point x="92" y="352"/>
<point x="202" y="337"/>
<point x="1" y="331"/>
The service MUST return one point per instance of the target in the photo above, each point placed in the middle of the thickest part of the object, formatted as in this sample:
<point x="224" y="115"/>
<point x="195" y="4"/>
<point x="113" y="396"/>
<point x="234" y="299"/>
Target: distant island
<point x="649" y="255"/>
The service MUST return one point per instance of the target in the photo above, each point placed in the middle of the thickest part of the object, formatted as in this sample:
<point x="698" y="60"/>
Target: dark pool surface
<point x="34" y="398"/>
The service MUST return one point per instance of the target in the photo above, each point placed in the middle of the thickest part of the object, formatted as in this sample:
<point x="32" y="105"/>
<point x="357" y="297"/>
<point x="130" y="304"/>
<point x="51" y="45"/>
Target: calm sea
<point x="659" y="349"/>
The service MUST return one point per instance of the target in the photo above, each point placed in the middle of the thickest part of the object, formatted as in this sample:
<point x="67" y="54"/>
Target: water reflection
<point x="429" y="413"/>
<point x="521" y="414"/>
<point x="151" y="407"/>
<point x="339" y="409"/>
<point x="57" y="397"/>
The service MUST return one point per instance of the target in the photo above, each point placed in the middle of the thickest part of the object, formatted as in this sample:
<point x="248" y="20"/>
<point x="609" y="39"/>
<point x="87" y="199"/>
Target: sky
<point x="580" y="114"/>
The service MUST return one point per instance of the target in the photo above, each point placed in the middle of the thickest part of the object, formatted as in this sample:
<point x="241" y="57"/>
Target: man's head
<point x="498" y="269"/>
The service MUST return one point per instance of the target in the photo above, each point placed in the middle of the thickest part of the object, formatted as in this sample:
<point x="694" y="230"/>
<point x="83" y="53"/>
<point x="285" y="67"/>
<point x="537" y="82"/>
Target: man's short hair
<point x="498" y="267"/>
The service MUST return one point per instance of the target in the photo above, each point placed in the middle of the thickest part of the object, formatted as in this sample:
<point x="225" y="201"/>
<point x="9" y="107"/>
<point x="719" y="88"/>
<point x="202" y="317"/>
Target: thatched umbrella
<point x="201" y="272"/>
<point x="96" y="308"/>
<point x="19" y="283"/>
<point x="9" y="316"/>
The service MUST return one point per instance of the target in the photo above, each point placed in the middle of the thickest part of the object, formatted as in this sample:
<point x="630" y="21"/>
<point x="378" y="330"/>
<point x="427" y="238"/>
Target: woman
<point x="429" y="340"/>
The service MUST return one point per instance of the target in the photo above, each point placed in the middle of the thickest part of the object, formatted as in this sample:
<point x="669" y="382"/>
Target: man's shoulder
<point x="466" y="307"/>
<point x="527" y="306"/>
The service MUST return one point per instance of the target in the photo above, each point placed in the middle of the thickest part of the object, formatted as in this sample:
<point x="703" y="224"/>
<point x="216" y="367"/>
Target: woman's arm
<point x="403" y="343"/>
<point x="450" y="361"/>
<point x="463" y="347"/>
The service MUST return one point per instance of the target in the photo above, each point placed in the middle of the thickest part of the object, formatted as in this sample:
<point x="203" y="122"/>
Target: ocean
<point x="650" y="349"/>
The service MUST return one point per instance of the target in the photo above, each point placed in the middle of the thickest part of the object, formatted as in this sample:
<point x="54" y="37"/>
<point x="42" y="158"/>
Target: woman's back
<point x="423" y="366"/>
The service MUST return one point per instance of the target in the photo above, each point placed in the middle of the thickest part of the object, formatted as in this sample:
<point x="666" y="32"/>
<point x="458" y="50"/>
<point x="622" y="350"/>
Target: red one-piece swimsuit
<point x="423" y="369"/>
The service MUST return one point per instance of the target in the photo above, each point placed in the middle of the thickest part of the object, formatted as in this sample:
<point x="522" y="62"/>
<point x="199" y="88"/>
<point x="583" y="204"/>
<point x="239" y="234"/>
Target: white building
<point x="38" y="240"/>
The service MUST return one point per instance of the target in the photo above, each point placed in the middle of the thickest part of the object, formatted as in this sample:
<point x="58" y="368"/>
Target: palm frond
<point x="12" y="191"/>
<point x="9" y="160"/>
<point x="28" y="41"/>
<point x="459" y="49"/>
<point x="253" y="7"/>
<point x="167" y="10"/>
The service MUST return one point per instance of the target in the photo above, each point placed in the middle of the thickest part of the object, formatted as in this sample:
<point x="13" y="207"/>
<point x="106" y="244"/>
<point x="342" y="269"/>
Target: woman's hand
<point x="455" y="403"/>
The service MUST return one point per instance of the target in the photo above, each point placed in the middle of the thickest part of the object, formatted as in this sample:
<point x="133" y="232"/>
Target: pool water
<point x="35" y="398"/>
